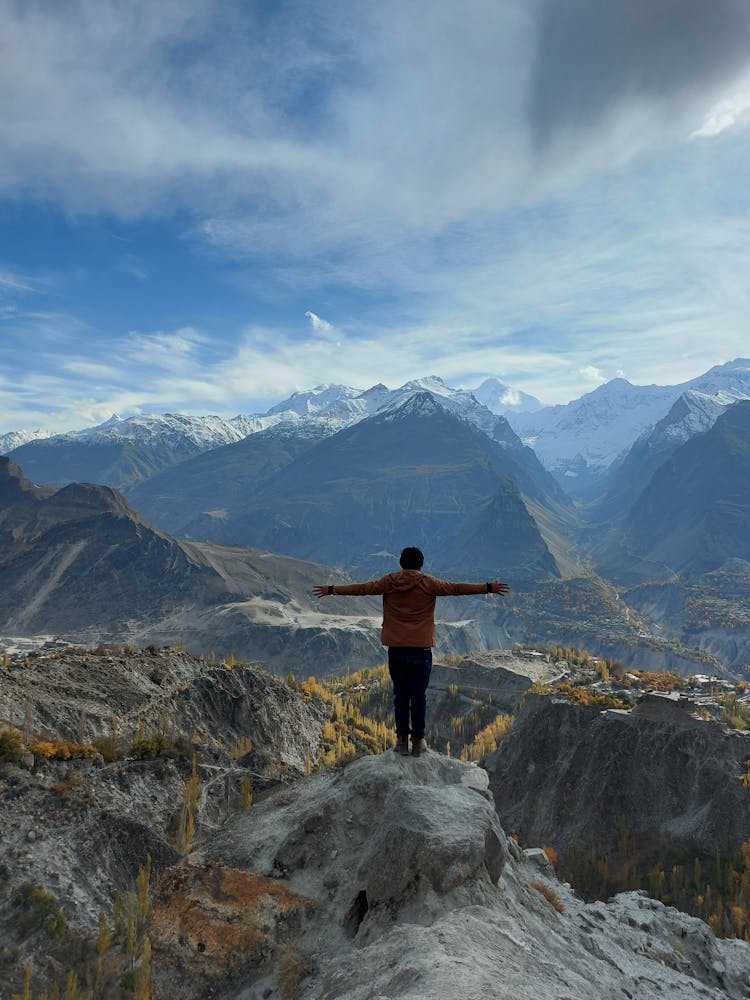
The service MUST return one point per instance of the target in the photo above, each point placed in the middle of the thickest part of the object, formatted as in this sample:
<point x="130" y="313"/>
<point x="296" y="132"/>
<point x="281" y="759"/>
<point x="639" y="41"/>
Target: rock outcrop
<point x="392" y="878"/>
<point x="81" y="829"/>
<point x="572" y="773"/>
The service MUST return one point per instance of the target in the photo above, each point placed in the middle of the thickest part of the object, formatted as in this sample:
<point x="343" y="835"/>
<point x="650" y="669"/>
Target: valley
<point x="190" y="741"/>
<point x="336" y="478"/>
<point x="154" y="790"/>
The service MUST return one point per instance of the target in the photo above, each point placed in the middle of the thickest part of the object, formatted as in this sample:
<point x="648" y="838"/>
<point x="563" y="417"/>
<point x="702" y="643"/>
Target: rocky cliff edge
<point x="392" y="878"/>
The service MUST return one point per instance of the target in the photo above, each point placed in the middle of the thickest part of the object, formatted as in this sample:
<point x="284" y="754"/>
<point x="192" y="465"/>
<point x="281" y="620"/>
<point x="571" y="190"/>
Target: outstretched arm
<point x="353" y="589"/>
<point x="444" y="588"/>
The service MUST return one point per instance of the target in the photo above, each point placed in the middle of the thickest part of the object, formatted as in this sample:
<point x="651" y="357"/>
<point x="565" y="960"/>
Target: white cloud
<point x="317" y="323"/>
<point x="593" y="374"/>
<point x="10" y="282"/>
<point x="164" y="350"/>
<point x="728" y="112"/>
<point x="480" y="203"/>
<point x="94" y="370"/>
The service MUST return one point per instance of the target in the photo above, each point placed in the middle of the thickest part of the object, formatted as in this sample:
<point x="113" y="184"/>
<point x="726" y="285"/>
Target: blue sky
<point x="205" y="205"/>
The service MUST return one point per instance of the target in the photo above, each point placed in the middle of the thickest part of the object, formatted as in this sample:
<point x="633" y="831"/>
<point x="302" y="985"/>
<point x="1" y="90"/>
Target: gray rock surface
<point x="571" y="773"/>
<point x="417" y="894"/>
<point x="81" y="828"/>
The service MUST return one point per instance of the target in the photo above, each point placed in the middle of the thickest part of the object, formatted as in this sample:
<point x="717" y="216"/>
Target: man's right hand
<point x="499" y="588"/>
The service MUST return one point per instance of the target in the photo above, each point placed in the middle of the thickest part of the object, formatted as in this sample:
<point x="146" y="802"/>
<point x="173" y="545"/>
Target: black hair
<point x="411" y="558"/>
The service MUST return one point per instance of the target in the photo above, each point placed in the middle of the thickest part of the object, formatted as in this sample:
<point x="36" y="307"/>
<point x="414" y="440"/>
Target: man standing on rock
<point x="409" y="633"/>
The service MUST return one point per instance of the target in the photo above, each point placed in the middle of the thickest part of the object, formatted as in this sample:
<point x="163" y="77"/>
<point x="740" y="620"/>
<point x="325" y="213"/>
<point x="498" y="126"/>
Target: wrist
<point x="489" y="588"/>
<point x="330" y="589"/>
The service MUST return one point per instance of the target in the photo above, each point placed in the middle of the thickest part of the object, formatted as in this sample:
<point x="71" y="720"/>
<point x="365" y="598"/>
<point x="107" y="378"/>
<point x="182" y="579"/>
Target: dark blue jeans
<point x="410" y="672"/>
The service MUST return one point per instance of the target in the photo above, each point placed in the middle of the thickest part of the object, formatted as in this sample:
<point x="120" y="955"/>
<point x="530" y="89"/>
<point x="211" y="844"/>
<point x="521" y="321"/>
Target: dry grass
<point x="551" y="854"/>
<point x="241" y="746"/>
<point x="549" y="894"/>
<point x="292" y="968"/>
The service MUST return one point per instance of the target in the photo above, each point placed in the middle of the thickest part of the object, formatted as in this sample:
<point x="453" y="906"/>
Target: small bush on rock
<point x="63" y="750"/>
<point x="549" y="894"/>
<point x="148" y="746"/>
<point x="39" y="909"/>
<point x="11" y="745"/>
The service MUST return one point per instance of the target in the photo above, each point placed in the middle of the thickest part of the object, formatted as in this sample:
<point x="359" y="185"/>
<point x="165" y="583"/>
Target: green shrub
<point x="11" y="745"/>
<point x="39" y="910"/>
<point x="109" y="747"/>
<point x="148" y="746"/>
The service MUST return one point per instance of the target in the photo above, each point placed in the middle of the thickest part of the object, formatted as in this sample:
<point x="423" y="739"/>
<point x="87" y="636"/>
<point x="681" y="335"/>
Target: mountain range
<point x="414" y="470"/>
<point x="82" y="563"/>
<point x="343" y="478"/>
<point x="121" y="452"/>
<point x="693" y="516"/>
<point x="580" y="441"/>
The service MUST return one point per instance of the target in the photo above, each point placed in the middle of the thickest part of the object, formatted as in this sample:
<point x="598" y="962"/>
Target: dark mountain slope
<point x="82" y="555"/>
<point x="410" y="475"/>
<point x="494" y="537"/>
<point x="82" y="563"/>
<point x="216" y="482"/>
<point x="530" y="476"/>
<point x="57" y="461"/>
<point x="15" y="487"/>
<point x="694" y="515"/>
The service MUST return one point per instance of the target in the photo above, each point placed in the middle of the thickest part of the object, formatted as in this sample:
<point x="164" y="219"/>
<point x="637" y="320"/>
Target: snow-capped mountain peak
<point x="311" y="402"/>
<point x="458" y="401"/>
<point x="14" y="439"/>
<point x="591" y="432"/>
<point x="419" y="403"/>
<point x="584" y="437"/>
<point x="501" y="398"/>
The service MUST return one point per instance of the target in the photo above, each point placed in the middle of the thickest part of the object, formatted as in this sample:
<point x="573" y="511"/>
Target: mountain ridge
<point x="415" y="463"/>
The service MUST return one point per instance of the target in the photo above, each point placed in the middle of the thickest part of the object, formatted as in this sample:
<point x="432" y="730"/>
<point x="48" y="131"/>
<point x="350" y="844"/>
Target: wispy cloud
<point x="729" y="111"/>
<point x="10" y="282"/>
<point x="513" y="192"/>
<point x="593" y="374"/>
<point x="317" y="323"/>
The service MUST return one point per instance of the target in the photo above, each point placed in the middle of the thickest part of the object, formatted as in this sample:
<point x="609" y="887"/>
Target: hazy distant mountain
<point x="82" y="563"/>
<point x="693" y="413"/>
<point x="412" y="474"/>
<point x="338" y="402"/>
<point x="120" y="452"/>
<point x="694" y="514"/>
<point x="730" y="381"/>
<point x="215" y="482"/>
<point x="346" y="405"/>
<point x="502" y="398"/>
<point x="579" y="441"/>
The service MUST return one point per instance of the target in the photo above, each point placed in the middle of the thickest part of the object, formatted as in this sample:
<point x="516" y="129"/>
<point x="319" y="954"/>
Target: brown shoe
<point x="418" y="747"/>
<point x="402" y="746"/>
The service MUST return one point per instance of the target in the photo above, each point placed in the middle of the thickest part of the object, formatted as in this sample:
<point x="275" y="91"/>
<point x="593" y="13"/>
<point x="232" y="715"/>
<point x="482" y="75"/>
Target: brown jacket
<point x="409" y="604"/>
